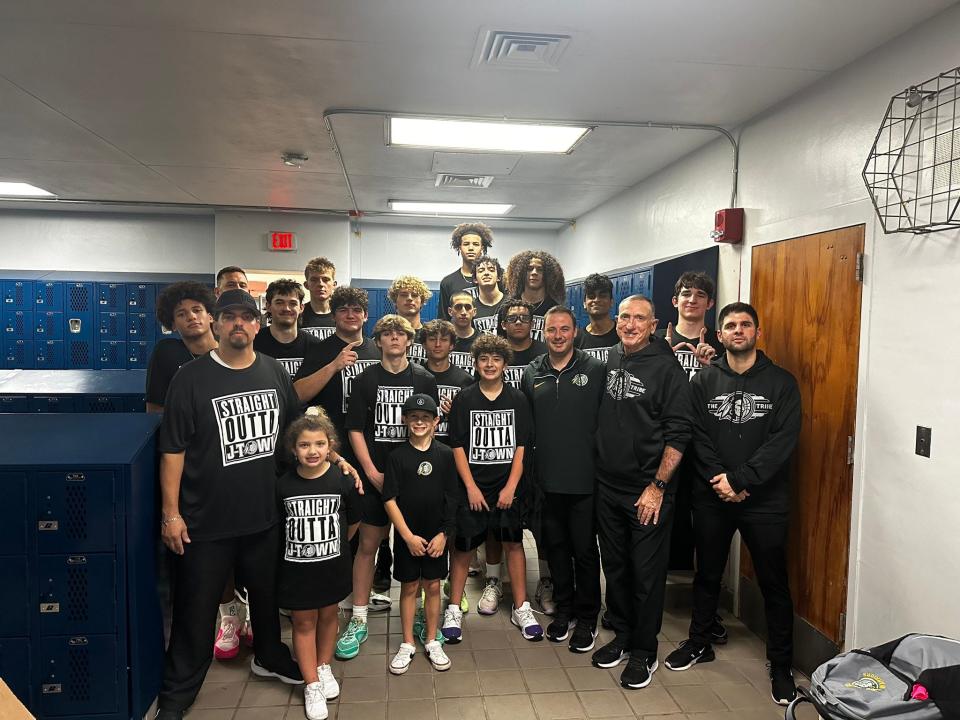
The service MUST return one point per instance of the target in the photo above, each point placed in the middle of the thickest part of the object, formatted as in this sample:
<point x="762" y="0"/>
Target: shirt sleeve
<point x="675" y="415"/>
<point x="391" y="478"/>
<point x="357" y="405"/>
<point x="158" y="376"/>
<point x="524" y="424"/>
<point x="179" y="421"/>
<point x="706" y="458"/>
<point x="291" y="411"/>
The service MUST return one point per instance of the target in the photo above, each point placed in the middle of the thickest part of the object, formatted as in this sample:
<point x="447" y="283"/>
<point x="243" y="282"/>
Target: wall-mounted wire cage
<point x="913" y="171"/>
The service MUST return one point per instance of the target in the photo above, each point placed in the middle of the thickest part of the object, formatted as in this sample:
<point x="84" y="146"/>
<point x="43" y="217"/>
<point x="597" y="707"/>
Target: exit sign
<point x="282" y="241"/>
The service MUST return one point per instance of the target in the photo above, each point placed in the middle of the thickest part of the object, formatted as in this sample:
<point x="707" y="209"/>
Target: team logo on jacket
<point x="868" y="681"/>
<point x="424" y="469"/>
<point x="739" y="407"/>
<point x="621" y="385"/>
<point x="248" y="424"/>
<point x="580" y="380"/>
<point x="493" y="437"/>
<point x="312" y="528"/>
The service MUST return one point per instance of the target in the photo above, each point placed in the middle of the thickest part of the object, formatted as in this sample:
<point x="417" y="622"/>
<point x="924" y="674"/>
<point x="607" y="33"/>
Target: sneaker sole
<point x="639" y="686"/>
<point x="607" y="665"/>
<point x="399" y="671"/>
<point x="263" y="672"/>
<point x="452" y="641"/>
<point x="587" y="648"/>
<point x="226" y="654"/>
<point x="780" y="702"/>
<point x="525" y="635"/>
<point x="704" y="658"/>
<point x="438" y="667"/>
<point x="714" y="640"/>
<point x="572" y="624"/>
<point x="345" y="656"/>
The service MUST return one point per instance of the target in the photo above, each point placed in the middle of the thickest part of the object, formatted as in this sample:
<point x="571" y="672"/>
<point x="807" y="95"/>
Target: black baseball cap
<point x="420" y="401"/>
<point x="236" y="299"/>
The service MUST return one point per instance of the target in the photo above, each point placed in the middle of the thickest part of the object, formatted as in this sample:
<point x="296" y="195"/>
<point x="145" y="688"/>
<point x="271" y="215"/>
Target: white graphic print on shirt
<point x="487" y="324"/>
<point x="417" y="353"/>
<point x="462" y="360"/>
<point x="312" y="528"/>
<point x="493" y="436"/>
<point x="248" y="423"/>
<point x="321" y="333"/>
<point x="446" y="391"/>
<point x="291" y="365"/>
<point x="621" y="385"/>
<point x="536" y="327"/>
<point x="688" y="361"/>
<point x="387" y="420"/>
<point x="513" y="374"/>
<point x="600" y="354"/>
<point x="349" y="374"/>
<point x="739" y="407"/>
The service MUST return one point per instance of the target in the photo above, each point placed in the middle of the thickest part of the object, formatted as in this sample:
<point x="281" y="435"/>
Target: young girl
<point x="321" y="512"/>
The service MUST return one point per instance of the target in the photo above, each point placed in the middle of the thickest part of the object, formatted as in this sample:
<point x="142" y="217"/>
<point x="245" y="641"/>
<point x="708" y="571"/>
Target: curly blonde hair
<point x="411" y="283"/>
<point x="515" y="277"/>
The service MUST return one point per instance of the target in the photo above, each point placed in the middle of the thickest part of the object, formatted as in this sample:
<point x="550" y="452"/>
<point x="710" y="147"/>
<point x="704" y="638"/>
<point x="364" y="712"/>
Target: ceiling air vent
<point x="463" y="181"/>
<point x="507" y="50"/>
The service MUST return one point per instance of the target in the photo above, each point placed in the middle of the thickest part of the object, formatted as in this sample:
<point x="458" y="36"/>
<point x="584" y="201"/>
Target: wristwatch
<point x="659" y="484"/>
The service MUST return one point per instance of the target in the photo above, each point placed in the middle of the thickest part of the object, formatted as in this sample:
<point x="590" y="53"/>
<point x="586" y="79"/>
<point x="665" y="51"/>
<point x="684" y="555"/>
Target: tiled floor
<point x="497" y="675"/>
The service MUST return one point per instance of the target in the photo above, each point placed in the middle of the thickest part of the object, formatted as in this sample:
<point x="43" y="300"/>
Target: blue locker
<point x="622" y="287"/>
<point x="18" y="324"/>
<point x="78" y="330"/>
<point x="53" y="404"/>
<point x="111" y="355"/>
<point x="78" y="299"/>
<point x="78" y="353"/>
<point x="14" y="404"/>
<point x="141" y="297"/>
<point x="138" y="353"/>
<point x="16" y="667"/>
<point x="112" y="326"/>
<point x="18" y="354"/>
<point x="102" y="404"/>
<point x="77" y="593"/>
<point x="49" y="354"/>
<point x="49" y="296"/>
<point x="17" y="295"/>
<point x="111" y="297"/>
<point x="78" y="675"/>
<point x="14" y="594"/>
<point x="135" y="404"/>
<point x="642" y="283"/>
<point x="73" y="509"/>
<point x="47" y="325"/>
<point x="14" y="526"/>
<point x="141" y="326"/>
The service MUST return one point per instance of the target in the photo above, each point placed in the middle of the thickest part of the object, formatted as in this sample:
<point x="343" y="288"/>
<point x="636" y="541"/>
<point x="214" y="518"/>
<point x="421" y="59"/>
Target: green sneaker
<point x="348" y="646"/>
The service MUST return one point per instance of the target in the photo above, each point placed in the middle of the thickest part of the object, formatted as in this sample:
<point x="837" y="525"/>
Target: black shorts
<point x="407" y="568"/>
<point x="372" y="511"/>
<point x="473" y="526"/>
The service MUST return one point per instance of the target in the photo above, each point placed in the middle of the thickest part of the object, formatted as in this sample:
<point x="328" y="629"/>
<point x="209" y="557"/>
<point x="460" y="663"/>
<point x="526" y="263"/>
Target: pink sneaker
<point x="227" y="644"/>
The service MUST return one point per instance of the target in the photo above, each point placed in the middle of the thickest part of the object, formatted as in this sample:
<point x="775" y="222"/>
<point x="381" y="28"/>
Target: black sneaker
<point x="583" y="638"/>
<point x="782" y="689"/>
<point x="610" y="655"/>
<point x="287" y="671"/>
<point x="605" y="621"/>
<point x="688" y="654"/>
<point x="559" y="629"/>
<point x="168" y="714"/>
<point x="718" y="633"/>
<point x="638" y="673"/>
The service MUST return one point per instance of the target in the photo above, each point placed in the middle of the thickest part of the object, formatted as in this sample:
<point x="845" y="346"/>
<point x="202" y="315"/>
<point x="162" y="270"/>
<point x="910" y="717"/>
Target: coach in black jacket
<point x="564" y="387"/>
<point x="746" y="420"/>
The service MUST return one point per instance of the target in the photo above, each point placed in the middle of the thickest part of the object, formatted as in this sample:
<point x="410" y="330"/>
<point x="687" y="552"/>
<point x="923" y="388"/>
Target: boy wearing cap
<point x="420" y="495"/>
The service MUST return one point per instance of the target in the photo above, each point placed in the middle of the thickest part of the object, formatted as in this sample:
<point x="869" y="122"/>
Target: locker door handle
<point x="76" y="477"/>
<point x="76" y="560"/>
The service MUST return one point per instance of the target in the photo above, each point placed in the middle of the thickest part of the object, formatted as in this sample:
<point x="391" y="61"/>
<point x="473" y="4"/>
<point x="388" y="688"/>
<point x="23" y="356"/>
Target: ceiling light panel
<point x="449" y="208"/>
<point x="488" y="136"/>
<point x="22" y="189"/>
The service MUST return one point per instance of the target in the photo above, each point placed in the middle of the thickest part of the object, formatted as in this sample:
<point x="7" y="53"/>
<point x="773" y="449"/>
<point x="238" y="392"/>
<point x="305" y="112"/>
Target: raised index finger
<point x="703" y="334"/>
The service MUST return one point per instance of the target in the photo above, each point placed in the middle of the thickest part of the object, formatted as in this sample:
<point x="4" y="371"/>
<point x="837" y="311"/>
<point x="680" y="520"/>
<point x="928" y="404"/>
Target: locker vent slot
<point x="79" y="353"/>
<point x="79" y="673"/>
<point x="76" y="520"/>
<point x="79" y="298"/>
<point x="77" y="592"/>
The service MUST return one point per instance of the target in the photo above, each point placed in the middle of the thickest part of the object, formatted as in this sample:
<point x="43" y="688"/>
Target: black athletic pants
<point x="201" y="572"/>
<point x="569" y="544"/>
<point x="635" y="561"/>
<point x="714" y="523"/>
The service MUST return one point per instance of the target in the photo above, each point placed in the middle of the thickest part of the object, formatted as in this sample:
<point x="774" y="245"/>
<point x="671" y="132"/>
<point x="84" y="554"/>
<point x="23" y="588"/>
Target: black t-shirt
<point x="513" y="373"/>
<point x="686" y="357"/>
<point x="417" y="352"/>
<point x="452" y="283"/>
<point x="375" y="404"/>
<point x="230" y="425"/>
<point x="334" y="396"/>
<point x="320" y="325"/>
<point x="490" y="431"/>
<point x="169" y="355"/>
<point x="290" y="355"/>
<point x="536" y="328"/>
<point x="485" y="320"/>
<point x="423" y="482"/>
<point x="597" y="346"/>
<point x="449" y="383"/>
<point x="464" y="344"/>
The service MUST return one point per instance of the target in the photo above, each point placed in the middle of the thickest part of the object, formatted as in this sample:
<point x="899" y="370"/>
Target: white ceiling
<point x="182" y="101"/>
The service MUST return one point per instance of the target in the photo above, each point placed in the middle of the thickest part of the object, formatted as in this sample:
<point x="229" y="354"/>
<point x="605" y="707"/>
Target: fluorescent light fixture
<point x="21" y="189"/>
<point x="450" y="208"/>
<point x="484" y="135"/>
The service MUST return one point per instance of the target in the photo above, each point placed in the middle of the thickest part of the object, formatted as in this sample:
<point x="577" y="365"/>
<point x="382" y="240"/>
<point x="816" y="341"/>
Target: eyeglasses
<point x="517" y="319"/>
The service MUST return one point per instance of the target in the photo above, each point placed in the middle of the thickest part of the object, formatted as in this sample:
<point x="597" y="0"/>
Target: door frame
<point x="825" y="220"/>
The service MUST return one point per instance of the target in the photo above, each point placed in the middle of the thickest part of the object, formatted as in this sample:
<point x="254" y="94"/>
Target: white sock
<point x="455" y="607"/>
<point x="544" y="569"/>
<point x="493" y="571"/>
<point x="230" y="608"/>
<point x="360" y="612"/>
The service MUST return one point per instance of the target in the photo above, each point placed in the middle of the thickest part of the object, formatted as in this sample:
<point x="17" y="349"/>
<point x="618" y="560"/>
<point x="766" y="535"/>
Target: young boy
<point x="421" y="478"/>
<point x="490" y="428"/>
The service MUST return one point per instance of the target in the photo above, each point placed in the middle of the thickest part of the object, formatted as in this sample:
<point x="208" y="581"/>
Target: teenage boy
<point x="438" y="338"/>
<point x="746" y="422"/>
<point x="600" y="334"/>
<point x="185" y="308"/>
<point x="462" y="311"/>
<point x="375" y="428"/>
<point x="564" y="387"/>
<point x="409" y="294"/>
<point x="218" y="445"/>
<point x="642" y="431"/>
<point x="421" y="479"/>
<point x="470" y="240"/>
<point x="231" y="278"/>
<point x="692" y="341"/>
<point x="320" y="276"/>
<point x="488" y="275"/>
<point x="516" y="321"/>
<point x="282" y="339"/>
<point x="490" y="429"/>
<point x="536" y="277"/>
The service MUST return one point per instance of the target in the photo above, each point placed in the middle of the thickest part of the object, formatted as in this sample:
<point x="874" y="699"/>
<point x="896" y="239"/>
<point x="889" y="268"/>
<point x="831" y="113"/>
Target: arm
<point x="416" y="544"/>
<point x="509" y="492"/>
<point x="359" y="444"/>
<point x="474" y="496"/>
<point x="308" y="384"/>
<point x="173" y="530"/>
<point x="154" y="408"/>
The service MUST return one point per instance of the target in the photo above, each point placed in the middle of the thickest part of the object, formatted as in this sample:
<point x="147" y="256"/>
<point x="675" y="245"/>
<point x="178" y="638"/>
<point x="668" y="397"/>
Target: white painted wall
<point x="800" y="173"/>
<point x="106" y="242"/>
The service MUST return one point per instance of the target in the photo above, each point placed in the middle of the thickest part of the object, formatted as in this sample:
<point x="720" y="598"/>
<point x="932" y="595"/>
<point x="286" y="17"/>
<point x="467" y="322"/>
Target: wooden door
<point x="807" y="294"/>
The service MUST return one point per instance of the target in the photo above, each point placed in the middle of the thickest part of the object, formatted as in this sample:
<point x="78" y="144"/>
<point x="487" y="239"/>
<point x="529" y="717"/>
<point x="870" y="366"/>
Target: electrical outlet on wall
<point x="923" y="441"/>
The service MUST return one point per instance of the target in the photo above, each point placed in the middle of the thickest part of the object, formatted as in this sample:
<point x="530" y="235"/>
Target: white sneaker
<point x="524" y="619"/>
<point x="544" y="596"/>
<point x="378" y="603"/>
<point x="331" y="688"/>
<point x="314" y="704"/>
<point x="401" y="661"/>
<point x="438" y="658"/>
<point x="490" y="599"/>
<point x="452" y="624"/>
<point x="346" y="603"/>
<point x="227" y="644"/>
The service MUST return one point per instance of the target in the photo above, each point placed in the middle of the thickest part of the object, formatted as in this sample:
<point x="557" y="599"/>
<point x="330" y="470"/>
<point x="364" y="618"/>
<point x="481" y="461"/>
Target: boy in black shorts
<point x="490" y="428"/>
<point x="420" y="497"/>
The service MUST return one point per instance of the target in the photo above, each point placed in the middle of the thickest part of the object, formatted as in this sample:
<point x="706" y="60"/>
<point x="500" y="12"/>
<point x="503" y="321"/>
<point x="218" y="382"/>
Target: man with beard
<point x="470" y="240"/>
<point x="746" y="422"/>
<point x="320" y="276"/>
<point x="487" y="274"/>
<point x="536" y="277"/>
<point x="282" y="340"/>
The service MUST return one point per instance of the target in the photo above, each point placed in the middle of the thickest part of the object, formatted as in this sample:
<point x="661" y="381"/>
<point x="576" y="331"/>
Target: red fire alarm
<point x="728" y="226"/>
<point x="281" y="241"/>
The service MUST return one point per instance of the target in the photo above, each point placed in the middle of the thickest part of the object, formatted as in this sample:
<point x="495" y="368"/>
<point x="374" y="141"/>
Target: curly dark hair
<point x="315" y="420"/>
<point x="515" y="277"/>
<point x="487" y="260"/>
<point x="476" y="228"/>
<point x="491" y="345"/>
<point x="284" y="286"/>
<point x="346" y="295"/>
<point x="596" y="284"/>
<point x="174" y="294"/>
<point x="505" y="308"/>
